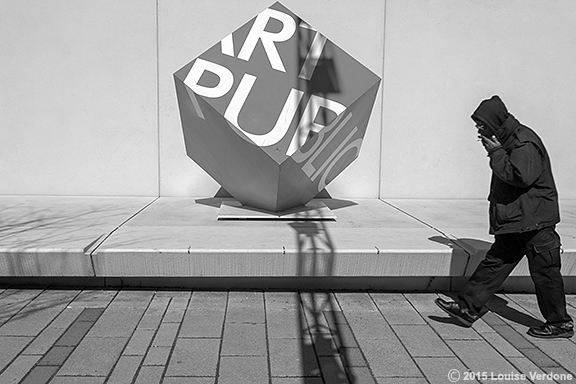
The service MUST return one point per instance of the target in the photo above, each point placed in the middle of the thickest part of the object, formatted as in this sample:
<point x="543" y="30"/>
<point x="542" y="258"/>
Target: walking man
<point x="523" y="216"/>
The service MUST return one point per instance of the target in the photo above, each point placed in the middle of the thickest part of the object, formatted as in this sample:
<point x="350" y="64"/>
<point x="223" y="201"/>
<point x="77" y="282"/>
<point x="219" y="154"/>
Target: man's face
<point x="483" y="130"/>
<point x="480" y="128"/>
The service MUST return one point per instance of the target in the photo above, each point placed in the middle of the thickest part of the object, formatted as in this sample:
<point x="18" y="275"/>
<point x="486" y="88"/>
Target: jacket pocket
<point x="508" y="213"/>
<point x="546" y="253"/>
<point x="546" y="246"/>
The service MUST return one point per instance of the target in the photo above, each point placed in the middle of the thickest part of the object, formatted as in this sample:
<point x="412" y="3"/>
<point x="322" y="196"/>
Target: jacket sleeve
<point x="520" y="167"/>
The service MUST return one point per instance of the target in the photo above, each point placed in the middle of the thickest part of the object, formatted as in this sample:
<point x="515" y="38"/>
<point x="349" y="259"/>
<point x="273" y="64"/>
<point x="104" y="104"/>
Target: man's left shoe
<point x="462" y="315"/>
<point x="553" y="331"/>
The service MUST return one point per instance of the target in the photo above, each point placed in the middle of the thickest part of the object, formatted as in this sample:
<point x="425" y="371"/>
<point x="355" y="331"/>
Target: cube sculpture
<point x="274" y="111"/>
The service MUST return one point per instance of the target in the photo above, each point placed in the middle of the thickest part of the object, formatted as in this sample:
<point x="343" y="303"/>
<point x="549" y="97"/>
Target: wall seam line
<point x="382" y="105"/>
<point x="158" y="98"/>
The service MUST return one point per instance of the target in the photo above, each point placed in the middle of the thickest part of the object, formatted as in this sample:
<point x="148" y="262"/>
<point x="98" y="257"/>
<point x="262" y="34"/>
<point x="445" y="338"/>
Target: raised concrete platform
<point x="388" y="244"/>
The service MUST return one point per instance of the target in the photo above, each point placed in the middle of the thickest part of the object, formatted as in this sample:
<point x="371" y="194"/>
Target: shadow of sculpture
<point x="320" y="322"/>
<point x="315" y="248"/>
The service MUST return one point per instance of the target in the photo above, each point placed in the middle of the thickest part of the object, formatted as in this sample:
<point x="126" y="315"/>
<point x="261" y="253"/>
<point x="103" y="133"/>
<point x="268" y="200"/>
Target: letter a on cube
<point x="275" y="110"/>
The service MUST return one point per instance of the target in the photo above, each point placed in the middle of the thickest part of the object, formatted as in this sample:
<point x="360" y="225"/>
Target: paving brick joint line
<point x="139" y="336"/>
<point x="222" y="337"/>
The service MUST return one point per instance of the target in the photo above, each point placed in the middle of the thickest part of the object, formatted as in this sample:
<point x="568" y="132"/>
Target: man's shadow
<point x="496" y="305"/>
<point x="476" y="249"/>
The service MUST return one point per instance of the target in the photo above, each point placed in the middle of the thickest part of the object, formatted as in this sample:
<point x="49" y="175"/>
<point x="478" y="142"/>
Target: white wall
<point x="88" y="106"/>
<point x="442" y="58"/>
<point x="78" y="100"/>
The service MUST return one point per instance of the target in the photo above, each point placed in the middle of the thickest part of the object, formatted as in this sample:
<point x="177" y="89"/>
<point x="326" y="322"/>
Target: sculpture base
<point x="314" y="210"/>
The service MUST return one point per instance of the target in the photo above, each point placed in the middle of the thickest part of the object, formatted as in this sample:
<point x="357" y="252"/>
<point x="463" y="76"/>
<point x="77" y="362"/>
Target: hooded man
<point x="523" y="216"/>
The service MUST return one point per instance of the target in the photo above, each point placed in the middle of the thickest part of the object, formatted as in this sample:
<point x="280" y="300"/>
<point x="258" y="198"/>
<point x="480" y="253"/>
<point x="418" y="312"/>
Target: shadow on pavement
<point x="500" y="306"/>
<point x="34" y="229"/>
<point x="321" y="335"/>
<point x="445" y="320"/>
<point x="497" y="305"/>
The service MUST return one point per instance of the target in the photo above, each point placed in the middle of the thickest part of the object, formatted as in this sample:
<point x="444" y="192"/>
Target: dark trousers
<point x="542" y="247"/>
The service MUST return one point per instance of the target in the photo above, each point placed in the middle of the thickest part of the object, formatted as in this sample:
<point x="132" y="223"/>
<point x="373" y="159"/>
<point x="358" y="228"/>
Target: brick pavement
<point x="87" y="336"/>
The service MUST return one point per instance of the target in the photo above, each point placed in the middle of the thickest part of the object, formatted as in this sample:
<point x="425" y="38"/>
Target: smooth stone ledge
<point x="381" y="244"/>
<point x="258" y="263"/>
<point x="45" y="262"/>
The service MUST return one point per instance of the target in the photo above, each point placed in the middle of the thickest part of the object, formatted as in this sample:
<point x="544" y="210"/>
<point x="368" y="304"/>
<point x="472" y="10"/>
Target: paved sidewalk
<point x="205" y="337"/>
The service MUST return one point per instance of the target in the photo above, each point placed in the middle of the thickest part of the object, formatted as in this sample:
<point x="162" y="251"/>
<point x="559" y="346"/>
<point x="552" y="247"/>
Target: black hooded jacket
<point x="523" y="196"/>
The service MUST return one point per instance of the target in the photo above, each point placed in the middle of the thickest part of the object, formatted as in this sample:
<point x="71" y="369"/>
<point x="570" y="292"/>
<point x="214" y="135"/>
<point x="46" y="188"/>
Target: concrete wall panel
<point x="442" y="58"/>
<point x="88" y="105"/>
<point x="78" y="98"/>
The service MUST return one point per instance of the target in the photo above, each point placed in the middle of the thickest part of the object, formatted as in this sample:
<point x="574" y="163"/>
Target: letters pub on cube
<point x="275" y="110"/>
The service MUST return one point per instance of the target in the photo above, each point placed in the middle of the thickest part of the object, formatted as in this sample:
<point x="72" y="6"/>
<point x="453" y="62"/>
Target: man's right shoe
<point x="452" y="308"/>
<point x="553" y="331"/>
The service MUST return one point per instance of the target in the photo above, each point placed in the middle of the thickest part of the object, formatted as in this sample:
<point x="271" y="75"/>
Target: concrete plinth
<point x="388" y="244"/>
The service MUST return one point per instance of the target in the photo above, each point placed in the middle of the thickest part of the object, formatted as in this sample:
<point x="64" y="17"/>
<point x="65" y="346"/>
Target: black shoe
<point x="553" y="331"/>
<point x="453" y="309"/>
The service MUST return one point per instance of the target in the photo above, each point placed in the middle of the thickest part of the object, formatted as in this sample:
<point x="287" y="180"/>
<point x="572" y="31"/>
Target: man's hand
<point x="490" y="143"/>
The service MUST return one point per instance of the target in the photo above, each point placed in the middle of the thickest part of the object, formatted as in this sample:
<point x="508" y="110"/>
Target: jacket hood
<point x="493" y="113"/>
